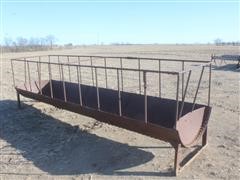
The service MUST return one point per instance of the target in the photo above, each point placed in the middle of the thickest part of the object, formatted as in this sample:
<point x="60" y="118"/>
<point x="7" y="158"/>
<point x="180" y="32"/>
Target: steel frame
<point x="119" y="71"/>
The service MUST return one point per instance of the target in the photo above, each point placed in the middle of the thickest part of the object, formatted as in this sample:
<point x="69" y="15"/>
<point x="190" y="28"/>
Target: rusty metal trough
<point x="175" y="121"/>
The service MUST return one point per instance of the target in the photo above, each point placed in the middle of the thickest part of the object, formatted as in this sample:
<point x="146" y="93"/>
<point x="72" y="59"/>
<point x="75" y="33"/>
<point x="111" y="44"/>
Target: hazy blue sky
<point x="133" y="22"/>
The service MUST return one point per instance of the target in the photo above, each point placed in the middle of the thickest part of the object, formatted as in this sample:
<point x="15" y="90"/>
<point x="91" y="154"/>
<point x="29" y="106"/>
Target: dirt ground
<point x="40" y="141"/>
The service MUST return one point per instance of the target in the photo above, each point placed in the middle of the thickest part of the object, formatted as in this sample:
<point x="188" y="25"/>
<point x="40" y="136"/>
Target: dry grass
<point x="40" y="141"/>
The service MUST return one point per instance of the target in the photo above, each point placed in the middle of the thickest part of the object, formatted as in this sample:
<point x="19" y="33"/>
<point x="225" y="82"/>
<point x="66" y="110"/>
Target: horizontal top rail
<point x="132" y="57"/>
<point x="122" y="57"/>
<point x="100" y="67"/>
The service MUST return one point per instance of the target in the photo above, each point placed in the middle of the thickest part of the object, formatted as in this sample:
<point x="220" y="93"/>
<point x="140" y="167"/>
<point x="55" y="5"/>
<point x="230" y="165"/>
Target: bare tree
<point x="8" y="42"/>
<point x="28" y="44"/>
<point x="218" y="41"/>
<point x="21" y="42"/>
<point x="50" y="40"/>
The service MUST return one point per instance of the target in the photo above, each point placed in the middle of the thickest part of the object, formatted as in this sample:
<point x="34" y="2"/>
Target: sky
<point x="133" y="21"/>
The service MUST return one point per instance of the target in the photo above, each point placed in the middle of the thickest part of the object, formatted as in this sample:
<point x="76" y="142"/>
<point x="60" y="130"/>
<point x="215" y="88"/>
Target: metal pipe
<point x="139" y="75"/>
<point x="98" y="100"/>
<point x="112" y="68"/>
<point x="39" y="69"/>
<point x="29" y="78"/>
<point x="92" y="70"/>
<point x="69" y="69"/>
<point x="39" y="77"/>
<point x="64" y="86"/>
<point x="209" y="83"/>
<point x="59" y="68"/>
<point x="177" y="101"/>
<point x="50" y="76"/>
<point x="13" y="74"/>
<point x="182" y="79"/>
<point x="25" y="72"/>
<point x="195" y="97"/>
<point x="145" y="96"/>
<point x="106" y="77"/>
<point x="159" y="78"/>
<point x="79" y="87"/>
<point x="50" y="80"/>
<point x="121" y="67"/>
<point x="145" y="58"/>
<point x="80" y="71"/>
<point x="119" y="95"/>
<point x="184" y="94"/>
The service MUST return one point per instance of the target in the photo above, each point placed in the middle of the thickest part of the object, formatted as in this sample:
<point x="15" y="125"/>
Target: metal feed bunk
<point x="175" y="121"/>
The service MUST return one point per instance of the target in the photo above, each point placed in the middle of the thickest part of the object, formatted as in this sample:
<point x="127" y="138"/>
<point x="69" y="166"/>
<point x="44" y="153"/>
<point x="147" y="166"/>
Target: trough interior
<point x="160" y="111"/>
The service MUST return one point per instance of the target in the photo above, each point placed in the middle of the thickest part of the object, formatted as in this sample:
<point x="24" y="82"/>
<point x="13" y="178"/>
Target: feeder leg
<point x="18" y="99"/>
<point x="176" y="159"/>
<point x="204" y="138"/>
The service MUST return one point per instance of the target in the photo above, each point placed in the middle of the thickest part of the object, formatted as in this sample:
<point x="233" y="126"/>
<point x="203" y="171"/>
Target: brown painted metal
<point x="184" y="94"/>
<point x="128" y="120"/>
<point x="105" y="70"/>
<point x="102" y="67"/>
<point x="156" y="117"/>
<point x="119" y="95"/>
<point x="126" y="57"/>
<point x="159" y="78"/>
<point x="145" y="58"/>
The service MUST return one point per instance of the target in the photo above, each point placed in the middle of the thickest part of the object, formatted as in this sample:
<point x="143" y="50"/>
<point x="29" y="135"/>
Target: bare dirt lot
<point x="43" y="142"/>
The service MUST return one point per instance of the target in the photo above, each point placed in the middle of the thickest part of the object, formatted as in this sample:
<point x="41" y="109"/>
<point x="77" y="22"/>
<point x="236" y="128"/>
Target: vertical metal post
<point x="159" y="78"/>
<point x="64" y="86"/>
<point x="25" y="73"/>
<point x="139" y="75"/>
<point x="184" y="94"/>
<point x="119" y="95"/>
<point x="177" y="158"/>
<point x="196" y="93"/>
<point x="39" y="77"/>
<point x="18" y="99"/>
<point x="80" y="73"/>
<point x="106" y="77"/>
<point x="92" y="70"/>
<point x="29" y="78"/>
<point x="13" y="74"/>
<point x="79" y="86"/>
<point x="121" y="65"/>
<point x="145" y="96"/>
<point x="183" y="67"/>
<point x="49" y="59"/>
<point x="39" y="60"/>
<point x="69" y="69"/>
<point x="209" y="83"/>
<point x="59" y="68"/>
<point x="50" y="80"/>
<point x="98" y="100"/>
<point x="177" y="101"/>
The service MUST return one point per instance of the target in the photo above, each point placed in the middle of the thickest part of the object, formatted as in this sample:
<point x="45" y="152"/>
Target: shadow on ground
<point x="61" y="149"/>
<point x="226" y="67"/>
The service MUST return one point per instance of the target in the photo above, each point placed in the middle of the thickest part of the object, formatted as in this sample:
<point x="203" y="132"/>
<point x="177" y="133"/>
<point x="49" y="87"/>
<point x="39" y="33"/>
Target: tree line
<point x="220" y="42"/>
<point x="28" y="44"/>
